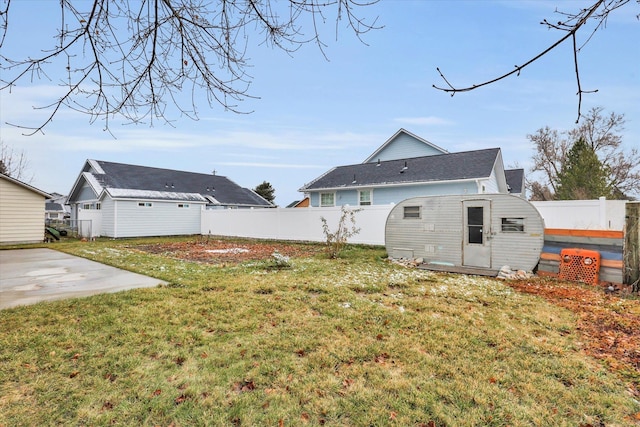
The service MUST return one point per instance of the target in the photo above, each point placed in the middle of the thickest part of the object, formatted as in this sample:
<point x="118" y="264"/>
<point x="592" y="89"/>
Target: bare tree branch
<point x="602" y="133"/>
<point x="598" y="11"/>
<point x="14" y="163"/>
<point x="134" y="63"/>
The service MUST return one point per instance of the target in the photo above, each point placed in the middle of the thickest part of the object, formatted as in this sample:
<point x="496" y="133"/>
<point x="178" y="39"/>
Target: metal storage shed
<point x="478" y="233"/>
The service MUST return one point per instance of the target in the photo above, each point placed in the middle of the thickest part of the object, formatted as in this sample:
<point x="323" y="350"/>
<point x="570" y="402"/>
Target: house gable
<point x="403" y="144"/>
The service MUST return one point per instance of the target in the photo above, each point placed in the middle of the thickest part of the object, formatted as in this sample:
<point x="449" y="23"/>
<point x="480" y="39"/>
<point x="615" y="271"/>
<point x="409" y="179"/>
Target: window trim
<point x="145" y="204"/>
<point x="183" y="205"/>
<point x="519" y="224"/>
<point x="406" y="214"/>
<point x="333" y="199"/>
<point x="368" y="202"/>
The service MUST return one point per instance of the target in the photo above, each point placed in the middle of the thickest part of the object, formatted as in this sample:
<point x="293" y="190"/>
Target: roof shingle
<point x="150" y="182"/>
<point x="444" y="167"/>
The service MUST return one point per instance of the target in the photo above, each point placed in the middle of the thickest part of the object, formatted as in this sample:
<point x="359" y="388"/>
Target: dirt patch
<point x="214" y="251"/>
<point x="608" y="324"/>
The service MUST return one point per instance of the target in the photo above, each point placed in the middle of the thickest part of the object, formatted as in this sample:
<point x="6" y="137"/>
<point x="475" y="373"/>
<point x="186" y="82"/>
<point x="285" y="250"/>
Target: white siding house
<point x="22" y="212"/>
<point x="124" y="200"/>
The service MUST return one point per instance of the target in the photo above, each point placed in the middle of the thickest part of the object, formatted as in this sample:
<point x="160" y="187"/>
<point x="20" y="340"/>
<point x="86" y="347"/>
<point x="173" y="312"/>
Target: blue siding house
<point x="409" y="166"/>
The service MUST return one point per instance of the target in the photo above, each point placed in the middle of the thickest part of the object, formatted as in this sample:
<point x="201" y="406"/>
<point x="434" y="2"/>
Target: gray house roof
<point x="443" y="167"/>
<point x="121" y="180"/>
<point x="515" y="180"/>
<point x="53" y="207"/>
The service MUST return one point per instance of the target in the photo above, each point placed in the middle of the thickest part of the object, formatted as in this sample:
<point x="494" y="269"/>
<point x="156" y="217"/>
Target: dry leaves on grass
<point x="222" y="251"/>
<point x="609" y="325"/>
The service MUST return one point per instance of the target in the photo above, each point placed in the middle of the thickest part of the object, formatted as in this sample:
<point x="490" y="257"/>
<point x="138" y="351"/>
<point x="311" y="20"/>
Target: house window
<point x="87" y="206"/>
<point x="411" y="212"/>
<point x="183" y="205"/>
<point x="53" y="215"/>
<point x="512" y="225"/>
<point x="327" y="199"/>
<point x="365" y="197"/>
<point x="98" y="206"/>
<point x="145" y="204"/>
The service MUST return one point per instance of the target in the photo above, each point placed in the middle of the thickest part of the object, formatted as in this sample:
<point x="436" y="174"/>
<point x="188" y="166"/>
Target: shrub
<point x="337" y="240"/>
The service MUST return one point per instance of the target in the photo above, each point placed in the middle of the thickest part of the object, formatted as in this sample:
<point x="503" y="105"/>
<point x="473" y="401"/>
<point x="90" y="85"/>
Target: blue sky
<point x="313" y="114"/>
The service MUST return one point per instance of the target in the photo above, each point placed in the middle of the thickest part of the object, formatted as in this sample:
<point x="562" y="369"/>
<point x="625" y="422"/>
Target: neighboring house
<point x="21" y="212"/>
<point x="515" y="182"/>
<point x="125" y="200"/>
<point x="304" y="203"/>
<point x="55" y="209"/>
<point x="409" y="166"/>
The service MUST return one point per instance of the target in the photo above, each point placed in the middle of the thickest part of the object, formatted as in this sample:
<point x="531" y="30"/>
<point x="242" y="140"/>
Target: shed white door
<point x="476" y="247"/>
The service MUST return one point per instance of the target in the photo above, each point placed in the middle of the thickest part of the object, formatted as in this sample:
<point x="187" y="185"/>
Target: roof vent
<point x="354" y="179"/>
<point x="378" y="164"/>
<point x="405" y="167"/>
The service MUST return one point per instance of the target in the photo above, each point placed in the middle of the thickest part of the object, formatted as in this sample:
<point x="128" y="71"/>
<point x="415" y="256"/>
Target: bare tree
<point x="14" y="164"/>
<point x="570" y="24"/>
<point x="602" y="134"/>
<point x="132" y="59"/>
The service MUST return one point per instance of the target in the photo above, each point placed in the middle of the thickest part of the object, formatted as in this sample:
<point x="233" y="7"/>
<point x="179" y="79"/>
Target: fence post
<point x="631" y="254"/>
<point x="603" y="213"/>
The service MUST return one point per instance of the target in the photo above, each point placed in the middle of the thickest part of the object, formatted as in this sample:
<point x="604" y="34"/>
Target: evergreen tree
<point x="583" y="176"/>
<point x="266" y="191"/>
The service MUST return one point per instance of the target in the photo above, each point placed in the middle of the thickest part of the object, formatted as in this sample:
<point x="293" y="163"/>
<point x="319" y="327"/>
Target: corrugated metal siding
<point x="21" y="214"/>
<point x="516" y="248"/>
<point x="404" y="147"/>
<point x="162" y="219"/>
<point x="437" y="236"/>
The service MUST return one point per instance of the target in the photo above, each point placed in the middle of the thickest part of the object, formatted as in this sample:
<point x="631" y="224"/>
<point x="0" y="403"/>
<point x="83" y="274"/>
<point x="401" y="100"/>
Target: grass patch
<point x="351" y="341"/>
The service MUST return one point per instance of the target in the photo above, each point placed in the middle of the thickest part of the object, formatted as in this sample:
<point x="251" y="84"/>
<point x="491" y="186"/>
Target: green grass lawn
<point x="353" y="341"/>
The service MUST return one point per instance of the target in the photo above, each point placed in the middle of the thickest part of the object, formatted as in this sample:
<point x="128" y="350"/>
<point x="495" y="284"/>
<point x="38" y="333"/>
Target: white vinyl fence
<point x="598" y="214"/>
<point x="92" y="217"/>
<point x="303" y="224"/>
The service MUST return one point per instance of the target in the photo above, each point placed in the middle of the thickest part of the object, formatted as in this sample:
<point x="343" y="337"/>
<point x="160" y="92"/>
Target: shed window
<point x="411" y="212"/>
<point x="327" y="199"/>
<point x="145" y="204"/>
<point x="365" y="197"/>
<point x="512" y="225"/>
<point x="183" y="205"/>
